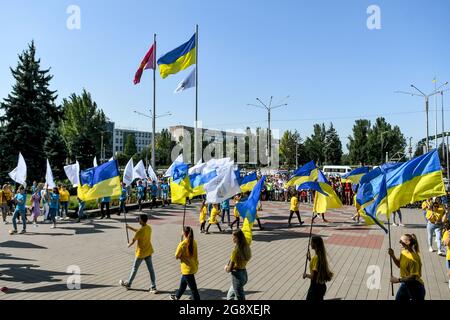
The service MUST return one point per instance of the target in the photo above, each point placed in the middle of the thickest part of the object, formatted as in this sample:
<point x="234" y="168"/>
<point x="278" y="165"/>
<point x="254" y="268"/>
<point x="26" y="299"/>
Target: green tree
<point x="28" y="112"/>
<point x="130" y="148"/>
<point x="83" y="121"/>
<point x="291" y="146"/>
<point x="315" y="145"/>
<point x="122" y="159"/>
<point x="333" y="146"/>
<point x="55" y="151"/>
<point x="357" y="145"/>
<point x="163" y="148"/>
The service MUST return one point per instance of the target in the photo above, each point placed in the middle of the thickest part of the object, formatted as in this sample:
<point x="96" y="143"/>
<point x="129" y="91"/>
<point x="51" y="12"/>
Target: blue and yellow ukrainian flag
<point x="248" y="182"/>
<point x="308" y="172"/>
<point x="371" y="212"/>
<point x="198" y="180"/>
<point x="178" y="59"/>
<point x="355" y="175"/>
<point x="322" y="202"/>
<point x="247" y="209"/>
<point x="180" y="184"/>
<point x="99" y="182"/>
<point x="418" y="179"/>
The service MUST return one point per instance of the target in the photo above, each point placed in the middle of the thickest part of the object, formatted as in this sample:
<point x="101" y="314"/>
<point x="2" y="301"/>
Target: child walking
<point x="294" y="209"/>
<point x="21" y="200"/>
<point x="236" y="213"/>
<point x="213" y="218"/>
<point x="203" y="213"/>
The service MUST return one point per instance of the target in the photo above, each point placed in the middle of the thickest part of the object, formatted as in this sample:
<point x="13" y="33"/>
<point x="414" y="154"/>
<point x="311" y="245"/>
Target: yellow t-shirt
<point x="238" y="264"/>
<point x="445" y="237"/>
<point x="294" y="204"/>
<point x="313" y="265"/>
<point x="236" y="212"/>
<point x="435" y="216"/>
<point x="189" y="263"/>
<point x="144" y="242"/>
<point x="64" y="195"/>
<point x="425" y="204"/>
<point x="213" y="217"/>
<point x="410" y="264"/>
<point x="203" y="214"/>
<point x="8" y="195"/>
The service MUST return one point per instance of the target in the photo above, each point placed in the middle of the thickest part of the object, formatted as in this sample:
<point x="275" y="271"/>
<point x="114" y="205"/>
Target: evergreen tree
<point x="130" y="146"/>
<point x="291" y="146"/>
<point x="315" y="145"/>
<point x="357" y="145"/>
<point x="333" y="146"/>
<point x="56" y="152"/>
<point x="83" y="150"/>
<point x="163" y="148"/>
<point x="29" y="111"/>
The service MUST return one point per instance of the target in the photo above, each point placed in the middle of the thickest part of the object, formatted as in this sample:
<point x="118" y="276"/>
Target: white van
<point x="336" y="171"/>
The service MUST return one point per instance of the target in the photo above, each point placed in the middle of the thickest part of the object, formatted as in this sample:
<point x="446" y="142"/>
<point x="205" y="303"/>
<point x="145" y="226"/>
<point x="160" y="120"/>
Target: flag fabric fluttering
<point x="177" y="161"/>
<point x="19" y="174"/>
<point x="372" y="210"/>
<point x="355" y="175"/>
<point x="224" y="186"/>
<point x="151" y="174"/>
<point x="248" y="182"/>
<point x="99" y="182"/>
<point x="247" y="209"/>
<point x="147" y="63"/>
<point x="198" y="168"/>
<point x="95" y="162"/>
<point x="128" y="173"/>
<point x="178" y="59"/>
<point x="308" y="172"/>
<point x="187" y="83"/>
<point x="180" y="186"/>
<point x="73" y="173"/>
<point x="323" y="203"/>
<point x="49" y="177"/>
<point x="198" y="180"/>
<point x="139" y="171"/>
<point x="312" y="185"/>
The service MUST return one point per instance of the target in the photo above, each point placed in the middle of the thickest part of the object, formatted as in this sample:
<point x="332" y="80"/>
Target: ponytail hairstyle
<point x="189" y="234"/>
<point x="242" y="247"/>
<point x="413" y="243"/>
<point x="324" y="273"/>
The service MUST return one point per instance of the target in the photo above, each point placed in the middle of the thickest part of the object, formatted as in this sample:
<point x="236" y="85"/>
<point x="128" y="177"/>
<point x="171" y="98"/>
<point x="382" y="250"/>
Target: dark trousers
<point x="227" y="211"/>
<point x="316" y="291"/>
<point x="259" y="223"/>
<point x="292" y="214"/>
<point x="411" y="291"/>
<point x="188" y="281"/>
<point x="104" y="205"/>
<point x="209" y="225"/>
<point x="237" y="220"/>
<point x="202" y="226"/>
<point x="140" y="204"/>
<point x="123" y="207"/>
<point x="153" y="205"/>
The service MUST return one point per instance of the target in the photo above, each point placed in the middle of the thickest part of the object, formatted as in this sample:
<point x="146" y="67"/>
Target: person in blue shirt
<point x="225" y="205"/>
<point x="165" y="192"/>
<point x="20" y="200"/>
<point x="122" y="200"/>
<point x="81" y="206"/>
<point x="105" y="204"/>
<point x="54" y="206"/>
<point x="154" y="193"/>
<point x="140" y="194"/>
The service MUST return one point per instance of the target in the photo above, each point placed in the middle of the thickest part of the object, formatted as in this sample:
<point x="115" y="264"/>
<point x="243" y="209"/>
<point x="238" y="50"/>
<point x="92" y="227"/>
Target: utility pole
<point x="410" y="148"/>
<point x="101" y="149"/>
<point x="296" y="154"/>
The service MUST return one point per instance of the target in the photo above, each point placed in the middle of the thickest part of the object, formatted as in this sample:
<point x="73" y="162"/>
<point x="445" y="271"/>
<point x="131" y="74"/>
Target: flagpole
<point x="389" y="235"/>
<point x="309" y="240"/>
<point x="154" y="101"/>
<point x="196" y="98"/>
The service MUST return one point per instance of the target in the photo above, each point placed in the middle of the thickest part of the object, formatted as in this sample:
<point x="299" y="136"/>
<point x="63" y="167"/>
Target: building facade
<point x="143" y="139"/>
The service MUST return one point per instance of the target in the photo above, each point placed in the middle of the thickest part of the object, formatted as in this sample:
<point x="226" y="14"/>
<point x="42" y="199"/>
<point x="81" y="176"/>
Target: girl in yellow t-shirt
<point x="215" y="212"/>
<point x="446" y="240"/>
<point x="412" y="287"/>
<point x="188" y="255"/>
<point x="203" y="213"/>
<point x="237" y="266"/>
<point x="236" y="212"/>
<point x="320" y="272"/>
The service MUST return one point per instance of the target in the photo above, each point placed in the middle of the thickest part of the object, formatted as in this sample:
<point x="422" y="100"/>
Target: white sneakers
<point x="441" y="253"/>
<point x="430" y="249"/>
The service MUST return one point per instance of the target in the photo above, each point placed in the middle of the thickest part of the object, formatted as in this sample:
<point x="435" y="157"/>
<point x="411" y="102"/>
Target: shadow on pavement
<point x="55" y="288"/>
<point x="20" y="245"/>
<point x="276" y="235"/>
<point x="10" y="257"/>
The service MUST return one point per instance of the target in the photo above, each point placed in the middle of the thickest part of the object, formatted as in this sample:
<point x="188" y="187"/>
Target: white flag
<point x="73" y="173"/>
<point x="187" y="83"/>
<point x="49" y="177"/>
<point x="112" y="159"/>
<point x="179" y="159"/>
<point x="198" y="168"/>
<point x="95" y="162"/>
<point x="139" y="171"/>
<point x="223" y="187"/>
<point x="151" y="173"/>
<point x="128" y="177"/>
<point x="19" y="174"/>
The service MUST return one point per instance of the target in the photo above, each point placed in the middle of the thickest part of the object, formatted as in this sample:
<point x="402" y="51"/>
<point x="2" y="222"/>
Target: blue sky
<point x="321" y="53"/>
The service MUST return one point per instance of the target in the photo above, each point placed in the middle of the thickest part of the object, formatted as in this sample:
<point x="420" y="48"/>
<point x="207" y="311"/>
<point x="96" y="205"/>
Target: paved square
<point x="35" y="265"/>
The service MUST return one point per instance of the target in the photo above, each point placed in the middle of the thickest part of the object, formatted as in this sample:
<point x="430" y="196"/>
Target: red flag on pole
<point x="147" y="63"/>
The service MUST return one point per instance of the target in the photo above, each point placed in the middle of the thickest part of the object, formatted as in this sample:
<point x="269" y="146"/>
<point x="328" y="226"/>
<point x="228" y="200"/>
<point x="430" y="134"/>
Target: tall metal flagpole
<point x="389" y="232"/>
<point x="196" y="158"/>
<point x="154" y="102"/>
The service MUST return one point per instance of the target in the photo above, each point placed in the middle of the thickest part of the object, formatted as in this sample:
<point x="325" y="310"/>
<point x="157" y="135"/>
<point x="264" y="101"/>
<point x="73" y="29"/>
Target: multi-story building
<point x="143" y="139"/>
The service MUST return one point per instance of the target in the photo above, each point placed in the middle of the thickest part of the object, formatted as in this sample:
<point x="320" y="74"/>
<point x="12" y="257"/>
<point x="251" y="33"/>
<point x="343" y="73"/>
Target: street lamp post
<point x="382" y="151"/>
<point x="427" y="99"/>
<point x="269" y="108"/>
<point x="153" y="117"/>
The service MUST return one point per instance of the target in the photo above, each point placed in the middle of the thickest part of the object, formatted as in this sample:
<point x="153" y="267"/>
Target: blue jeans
<point x="188" y="280"/>
<point x="227" y="212"/>
<point x="413" y="290"/>
<point x="123" y="208"/>
<point x="64" y="208"/>
<point x="81" y="210"/>
<point x="436" y="229"/>
<point x="239" y="279"/>
<point x="23" y="216"/>
<point x="137" y="264"/>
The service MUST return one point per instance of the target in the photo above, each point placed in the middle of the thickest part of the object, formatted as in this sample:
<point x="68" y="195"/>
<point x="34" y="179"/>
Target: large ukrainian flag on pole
<point x="322" y="202"/>
<point x="99" y="182"/>
<point x="178" y="59"/>
<point x="308" y="172"/>
<point x="180" y="184"/>
<point x="355" y="175"/>
<point x="248" y="182"/>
